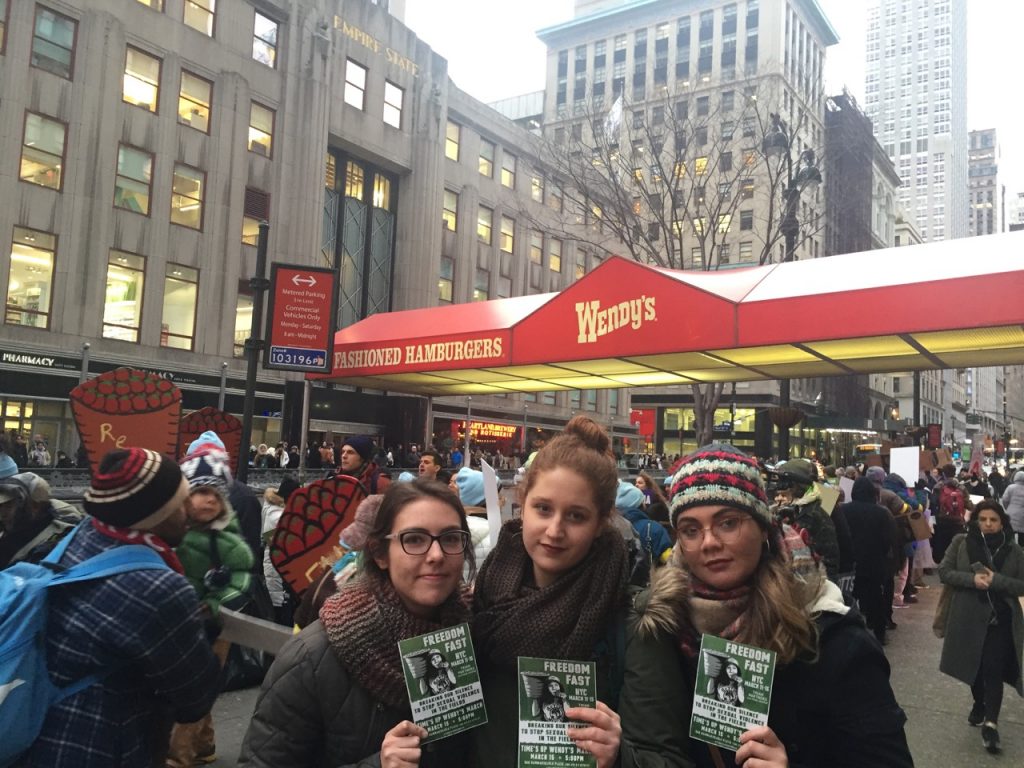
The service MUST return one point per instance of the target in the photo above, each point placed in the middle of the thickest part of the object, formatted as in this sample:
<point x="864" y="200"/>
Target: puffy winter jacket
<point x="311" y="714"/>
<point x="1013" y="502"/>
<point x="218" y="543"/>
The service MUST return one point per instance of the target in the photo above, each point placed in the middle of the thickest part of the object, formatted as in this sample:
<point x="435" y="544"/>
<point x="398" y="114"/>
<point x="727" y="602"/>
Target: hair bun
<point x="590" y="433"/>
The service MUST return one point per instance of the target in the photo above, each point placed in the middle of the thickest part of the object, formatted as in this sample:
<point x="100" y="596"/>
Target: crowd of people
<point x="627" y="575"/>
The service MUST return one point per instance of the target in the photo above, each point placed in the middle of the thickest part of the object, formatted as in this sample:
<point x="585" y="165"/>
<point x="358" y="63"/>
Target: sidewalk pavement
<point x="936" y="705"/>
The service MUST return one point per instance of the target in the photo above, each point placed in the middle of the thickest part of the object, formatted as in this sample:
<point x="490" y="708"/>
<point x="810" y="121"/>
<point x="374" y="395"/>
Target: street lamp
<point x="779" y="143"/>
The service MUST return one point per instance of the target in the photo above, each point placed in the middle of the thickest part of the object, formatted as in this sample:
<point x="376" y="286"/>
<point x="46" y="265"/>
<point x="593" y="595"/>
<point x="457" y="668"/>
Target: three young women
<point x="741" y="577"/>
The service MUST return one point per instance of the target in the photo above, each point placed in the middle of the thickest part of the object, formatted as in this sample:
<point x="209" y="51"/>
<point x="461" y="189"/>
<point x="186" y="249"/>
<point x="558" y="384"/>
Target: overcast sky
<point x="493" y="52"/>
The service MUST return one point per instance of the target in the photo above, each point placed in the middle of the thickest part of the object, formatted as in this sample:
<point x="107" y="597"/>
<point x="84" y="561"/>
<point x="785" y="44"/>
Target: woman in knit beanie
<point x="553" y="587"/>
<point x="336" y="693"/>
<point x="738" y="575"/>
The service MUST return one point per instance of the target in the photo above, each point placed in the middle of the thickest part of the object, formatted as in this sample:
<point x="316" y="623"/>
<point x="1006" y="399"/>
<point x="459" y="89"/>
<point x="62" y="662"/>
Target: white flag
<point x="614" y="119"/>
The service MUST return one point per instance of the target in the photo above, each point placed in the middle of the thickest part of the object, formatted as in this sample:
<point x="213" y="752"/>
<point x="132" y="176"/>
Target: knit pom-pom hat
<point x="135" y="488"/>
<point x="719" y="473"/>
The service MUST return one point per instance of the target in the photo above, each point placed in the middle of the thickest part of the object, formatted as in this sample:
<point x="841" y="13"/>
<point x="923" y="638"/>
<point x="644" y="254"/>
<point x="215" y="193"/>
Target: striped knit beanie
<point x="719" y="473"/>
<point x="135" y="488"/>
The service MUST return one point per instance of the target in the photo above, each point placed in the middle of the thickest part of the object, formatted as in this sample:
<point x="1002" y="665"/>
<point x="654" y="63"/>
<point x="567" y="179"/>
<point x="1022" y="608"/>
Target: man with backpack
<point x="124" y="639"/>
<point x="949" y="505"/>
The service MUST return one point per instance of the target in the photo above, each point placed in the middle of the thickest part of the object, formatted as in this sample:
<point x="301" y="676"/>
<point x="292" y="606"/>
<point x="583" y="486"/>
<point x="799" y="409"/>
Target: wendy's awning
<point x="941" y="305"/>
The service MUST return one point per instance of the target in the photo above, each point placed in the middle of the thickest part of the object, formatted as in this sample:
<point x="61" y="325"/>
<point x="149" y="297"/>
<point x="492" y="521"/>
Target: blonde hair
<point x="777" y="618"/>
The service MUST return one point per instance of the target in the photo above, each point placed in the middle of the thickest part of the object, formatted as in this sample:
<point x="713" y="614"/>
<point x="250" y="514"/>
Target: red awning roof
<point x="940" y="305"/>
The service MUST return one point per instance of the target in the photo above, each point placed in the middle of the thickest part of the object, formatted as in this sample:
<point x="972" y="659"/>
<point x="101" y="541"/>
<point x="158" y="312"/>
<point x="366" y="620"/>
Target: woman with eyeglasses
<point x="737" y="575"/>
<point x="554" y="587"/>
<point x="336" y="693"/>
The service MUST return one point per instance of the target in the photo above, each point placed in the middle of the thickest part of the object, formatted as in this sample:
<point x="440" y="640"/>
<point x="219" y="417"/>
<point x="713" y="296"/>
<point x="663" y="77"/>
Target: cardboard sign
<point x="829" y="496"/>
<point x="443" y="682"/>
<point x="126" y="408"/>
<point x="733" y="692"/>
<point x="919" y="525"/>
<point x="227" y="427"/>
<point x="548" y="687"/>
<point x="253" y="632"/>
<point x="300" y="320"/>
<point x="905" y="462"/>
<point x="305" y="542"/>
<point x="846" y="486"/>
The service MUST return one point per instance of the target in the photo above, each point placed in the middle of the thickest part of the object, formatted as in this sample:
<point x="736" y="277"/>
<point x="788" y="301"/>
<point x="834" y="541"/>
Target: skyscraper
<point x="986" y="193"/>
<point x="916" y="95"/>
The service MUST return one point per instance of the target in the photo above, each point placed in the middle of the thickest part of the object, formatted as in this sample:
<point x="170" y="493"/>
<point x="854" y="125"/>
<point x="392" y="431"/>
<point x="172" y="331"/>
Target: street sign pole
<point x="253" y="348"/>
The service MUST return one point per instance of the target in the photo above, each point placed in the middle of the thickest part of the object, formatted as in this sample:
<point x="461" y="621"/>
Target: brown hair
<point x="397" y="496"/>
<point x="656" y="493"/>
<point x="777" y="617"/>
<point x="585" y="448"/>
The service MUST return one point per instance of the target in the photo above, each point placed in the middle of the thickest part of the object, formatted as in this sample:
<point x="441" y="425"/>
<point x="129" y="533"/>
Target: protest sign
<point x="906" y="463"/>
<point x="548" y="687"/>
<point x="443" y="682"/>
<point x="733" y="691"/>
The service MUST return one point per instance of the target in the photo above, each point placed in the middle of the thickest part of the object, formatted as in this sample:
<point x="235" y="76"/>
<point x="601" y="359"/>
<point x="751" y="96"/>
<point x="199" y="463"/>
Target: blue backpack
<point x="26" y="691"/>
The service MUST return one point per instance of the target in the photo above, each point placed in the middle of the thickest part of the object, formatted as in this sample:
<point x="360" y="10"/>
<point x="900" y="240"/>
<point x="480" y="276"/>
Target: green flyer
<point x="443" y="682"/>
<point x="548" y="687"/>
<point x="733" y="691"/>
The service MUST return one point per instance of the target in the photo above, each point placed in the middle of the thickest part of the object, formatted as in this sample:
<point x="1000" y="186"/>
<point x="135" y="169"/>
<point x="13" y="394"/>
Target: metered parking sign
<point x="300" y="320"/>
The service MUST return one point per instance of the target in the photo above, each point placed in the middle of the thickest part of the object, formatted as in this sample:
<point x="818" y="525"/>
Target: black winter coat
<point x="873" y="531"/>
<point x="839" y="712"/>
<point x="311" y="714"/>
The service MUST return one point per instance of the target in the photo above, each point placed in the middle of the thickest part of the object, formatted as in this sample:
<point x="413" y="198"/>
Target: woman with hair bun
<point x="554" y="587"/>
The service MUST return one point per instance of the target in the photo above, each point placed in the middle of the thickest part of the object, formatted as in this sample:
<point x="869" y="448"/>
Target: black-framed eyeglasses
<point x="419" y="542"/>
<point x="725" y="529"/>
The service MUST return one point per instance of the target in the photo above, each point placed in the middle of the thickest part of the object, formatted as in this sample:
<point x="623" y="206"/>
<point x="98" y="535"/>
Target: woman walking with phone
<point x="985" y="628"/>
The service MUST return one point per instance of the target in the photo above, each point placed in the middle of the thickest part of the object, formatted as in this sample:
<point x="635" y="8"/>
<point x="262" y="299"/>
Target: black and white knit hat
<point x="720" y="473"/>
<point x="135" y="488"/>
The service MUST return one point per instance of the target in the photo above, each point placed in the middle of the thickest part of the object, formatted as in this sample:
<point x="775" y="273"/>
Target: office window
<point x="536" y="247"/>
<point x="451" y="141"/>
<point x="508" y="170"/>
<point x="134" y="182"/>
<point x="574" y="399"/>
<point x="746" y="219"/>
<point x="508" y="237"/>
<point x="257" y="209"/>
<point x="187" y="197"/>
<point x="42" y="151"/>
<point x="451" y="210"/>
<point x="724" y="220"/>
<point x="264" y="40"/>
<point x="481" y="285"/>
<point x="746" y="252"/>
<point x="444" y="280"/>
<point x="199" y="14"/>
<point x="537" y="189"/>
<point x="4" y="7"/>
<point x="53" y="42"/>
<point x="554" y="254"/>
<point x="261" y="129"/>
<point x="30" y="285"/>
<point x="156" y="5"/>
<point x="590" y="403"/>
<point x="122" y="304"/>
<point x="747" y="189"/>
<point x="393" y="97"/>
<point x="700" y="166"/>
<point x="141" y="85"/>
<point x="613" y="402"/>
<point x="355" y="84"/>
<point x="484" y="223"/>
<point x="555" y="198"/>
<point x="486" y="158"/>
<point x="581" y="263"/>
<point x="243" y="318"/>
<point x="178" y="321"/>
<point x="194" y="98"/>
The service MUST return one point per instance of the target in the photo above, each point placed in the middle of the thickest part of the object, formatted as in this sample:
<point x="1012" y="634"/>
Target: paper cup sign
<point x="305" y="543"/>
<point x="441" y="676"/>
<point x="227" y="427"/>
<point x="733" y="692"/>
<point x="126" y="408"/>
<point x="548" y="687"/>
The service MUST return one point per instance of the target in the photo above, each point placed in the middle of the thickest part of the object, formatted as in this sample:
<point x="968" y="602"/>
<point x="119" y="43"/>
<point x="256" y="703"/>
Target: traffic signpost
<point x="300" y="321"/>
